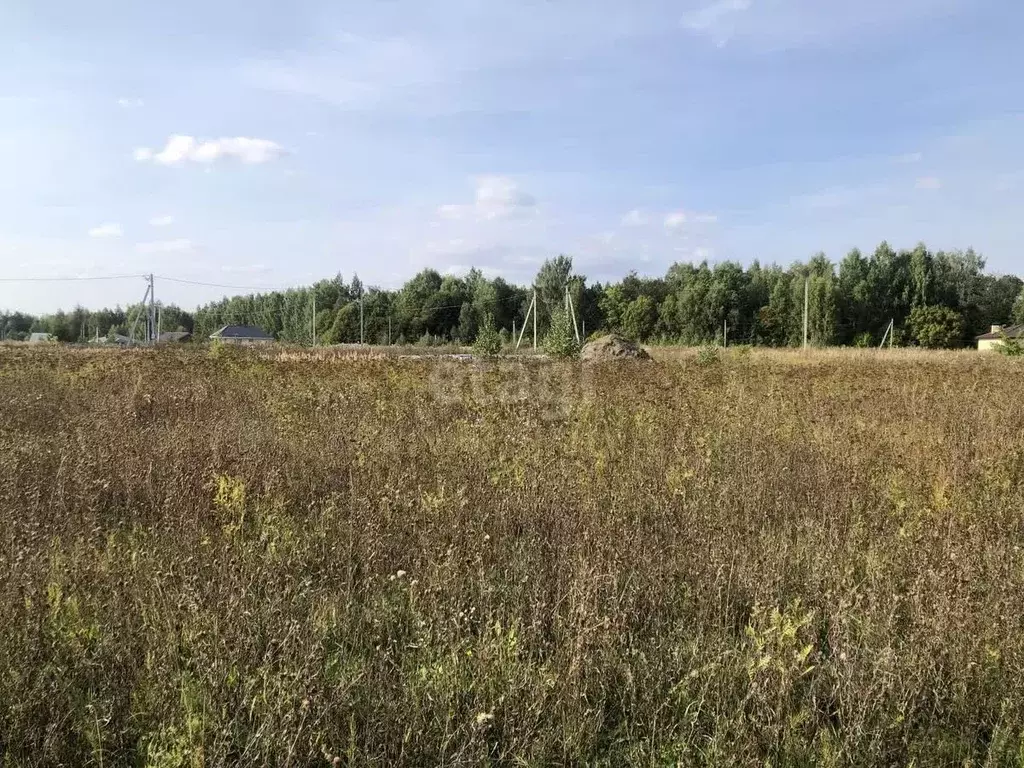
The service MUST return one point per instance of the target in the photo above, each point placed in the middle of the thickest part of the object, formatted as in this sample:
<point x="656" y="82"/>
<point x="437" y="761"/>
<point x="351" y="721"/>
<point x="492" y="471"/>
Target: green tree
<point x="488" y="340"/>
<point x="560" y="341"/>
<point x="550" y="282"/>
<point x="936" y="327"/>
<point x="639" y="318"/>
<point x="1017" y="316"/>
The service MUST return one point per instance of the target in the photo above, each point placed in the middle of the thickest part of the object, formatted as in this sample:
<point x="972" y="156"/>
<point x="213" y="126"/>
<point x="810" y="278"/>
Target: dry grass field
<point x="225" y="558"/>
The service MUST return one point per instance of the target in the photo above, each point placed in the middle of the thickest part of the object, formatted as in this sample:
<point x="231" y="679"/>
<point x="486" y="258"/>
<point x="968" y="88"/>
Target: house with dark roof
<point x="991" y="341"/>
<point x="242" y="334"/>
<point x="174" y="337"/>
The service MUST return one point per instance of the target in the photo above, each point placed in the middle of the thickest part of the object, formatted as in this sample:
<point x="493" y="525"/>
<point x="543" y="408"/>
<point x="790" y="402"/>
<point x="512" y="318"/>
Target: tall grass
<point x="231" y="559"/>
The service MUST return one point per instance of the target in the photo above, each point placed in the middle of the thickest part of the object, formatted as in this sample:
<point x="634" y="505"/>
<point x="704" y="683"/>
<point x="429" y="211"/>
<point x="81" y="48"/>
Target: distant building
<point x="40" y="338"/>
<point x="174" y="337"/>
<point x="242" y="334"/>
<point x="991" y="341"/>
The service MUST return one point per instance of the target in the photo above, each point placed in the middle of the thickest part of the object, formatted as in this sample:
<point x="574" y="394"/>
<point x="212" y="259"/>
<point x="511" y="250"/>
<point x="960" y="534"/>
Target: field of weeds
<point x="224" y="558"/>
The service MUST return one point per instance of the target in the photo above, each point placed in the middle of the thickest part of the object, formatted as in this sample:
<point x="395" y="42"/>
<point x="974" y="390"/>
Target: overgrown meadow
<point x="236" y="558"/>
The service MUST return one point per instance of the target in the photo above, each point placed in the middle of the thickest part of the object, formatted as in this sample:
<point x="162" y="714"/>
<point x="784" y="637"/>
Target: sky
<point x="261" y="145"/>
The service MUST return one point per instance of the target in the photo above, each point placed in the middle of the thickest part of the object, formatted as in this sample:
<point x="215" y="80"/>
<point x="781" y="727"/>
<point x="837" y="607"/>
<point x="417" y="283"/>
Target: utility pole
<point x="360" y="316"/>
<point x="535" y="319"/>
<point x="142" y="308"/>
<point x="571" y="310"/>
<point x="807" y="288"/>
<point x="152" y="311"/>
<point x="532" y="309"/>
<point x="888" y="334"/>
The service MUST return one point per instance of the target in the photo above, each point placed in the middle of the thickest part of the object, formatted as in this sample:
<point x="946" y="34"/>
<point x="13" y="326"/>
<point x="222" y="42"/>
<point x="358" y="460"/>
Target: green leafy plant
<point x="937" y="327"/>
<point x="560" y="341"/>
<point x="488" y="340"/>
<point x="1011" y="347"/>
<point x="707" y="355"/>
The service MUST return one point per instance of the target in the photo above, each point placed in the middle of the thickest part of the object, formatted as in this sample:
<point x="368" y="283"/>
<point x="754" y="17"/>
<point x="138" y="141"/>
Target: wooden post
<point x="535" y="318"/>
<point x="807" y="287"/>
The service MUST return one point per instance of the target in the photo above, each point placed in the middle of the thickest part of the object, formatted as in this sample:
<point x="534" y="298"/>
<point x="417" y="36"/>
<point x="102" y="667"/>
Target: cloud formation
<point x="497" y="197"/>
<point x="181" y="149"/>
<point x="929" y="182"/>
<point x="166" y="246"/>
<point x="909" y="158"/>
<point x="106" y="230"/>
<point x="635" y="218"/>
<point x="675" y="221"/>
<point x="715" y="20"/>
<point x="161" y="221"/>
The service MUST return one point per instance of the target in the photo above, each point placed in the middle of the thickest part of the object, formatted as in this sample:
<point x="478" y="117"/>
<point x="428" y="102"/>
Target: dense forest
<point x="934" y="299"/>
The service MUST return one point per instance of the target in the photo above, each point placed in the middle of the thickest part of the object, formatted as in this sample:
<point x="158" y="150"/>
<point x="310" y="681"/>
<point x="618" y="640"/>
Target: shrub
<point x="560" y="341"/>
<point x="707" y="355"/>
<point x="1010" y="347"/>
<point x="488" y="340"/>
<point x="936" y="327"/>
<point x="864" y="340"/>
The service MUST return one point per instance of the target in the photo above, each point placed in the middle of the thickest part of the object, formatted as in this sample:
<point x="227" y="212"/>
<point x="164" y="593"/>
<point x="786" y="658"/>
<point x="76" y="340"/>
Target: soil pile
<point x="612" y="348"/>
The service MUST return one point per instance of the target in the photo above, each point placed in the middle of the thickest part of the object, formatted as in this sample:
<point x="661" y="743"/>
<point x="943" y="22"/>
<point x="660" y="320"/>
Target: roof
<point x="242" y="332"/>
<point x="175" y="336"/>
<point x="1010" y="332"/>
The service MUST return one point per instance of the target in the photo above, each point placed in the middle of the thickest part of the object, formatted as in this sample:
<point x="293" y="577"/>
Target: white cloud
<point x="181" y="149"/>
<point x="830" y="198"/>
<point x="929" y="182"/>
<point x="106" y="230"/>
<point x="452" y="211"/>
<point x="161" y="221"/>
<point x="675" y="221"/>
<point x="166" y="246"/>
<point x="716" y="20"/>
<point x="909" y="158"/>
<point x="128" y="103"/>
<point x="246" y="269"/>
<point x="635" y="218"/>
<point x="497" y="197"/>
<point x="705" y="218"/>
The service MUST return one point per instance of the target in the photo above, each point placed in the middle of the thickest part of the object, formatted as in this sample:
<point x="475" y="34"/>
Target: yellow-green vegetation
<point x="248" y="559"/>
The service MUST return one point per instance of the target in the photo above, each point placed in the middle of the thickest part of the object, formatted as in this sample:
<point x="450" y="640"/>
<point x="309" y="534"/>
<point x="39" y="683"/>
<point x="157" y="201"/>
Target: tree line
<point x="933" y="299"/>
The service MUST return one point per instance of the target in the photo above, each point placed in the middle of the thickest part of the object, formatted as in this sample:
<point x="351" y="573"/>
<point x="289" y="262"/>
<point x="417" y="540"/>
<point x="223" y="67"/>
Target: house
<point x="991" y="341"/>
<point x="242" y="334"/>
<point x="40" y="338"/>
<point x="174" y="337"/>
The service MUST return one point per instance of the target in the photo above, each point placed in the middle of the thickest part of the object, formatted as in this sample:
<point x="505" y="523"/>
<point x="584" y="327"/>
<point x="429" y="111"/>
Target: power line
<point x="214" y="285"/>
<point x="66" y="279"/>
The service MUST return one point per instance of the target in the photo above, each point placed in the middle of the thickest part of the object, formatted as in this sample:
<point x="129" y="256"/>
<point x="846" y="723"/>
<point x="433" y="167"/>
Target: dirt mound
<point x="612" y="348"/>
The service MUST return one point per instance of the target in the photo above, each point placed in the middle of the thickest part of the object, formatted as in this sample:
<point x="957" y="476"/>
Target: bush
<point x="707" y="355"/>
<point x="937" y="327"/>
<point x="1011" y="347"/>
<point x="561" y="340"/>
<point x="864" y="340"/>
<point x="488" y="340"/>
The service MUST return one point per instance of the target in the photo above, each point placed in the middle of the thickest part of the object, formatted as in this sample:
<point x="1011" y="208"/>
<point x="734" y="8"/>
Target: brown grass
<point x="224" y="558"/>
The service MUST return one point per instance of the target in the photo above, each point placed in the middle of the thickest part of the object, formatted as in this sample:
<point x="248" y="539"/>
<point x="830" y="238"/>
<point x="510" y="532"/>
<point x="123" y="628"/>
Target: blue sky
<point x="268" y="144"/>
